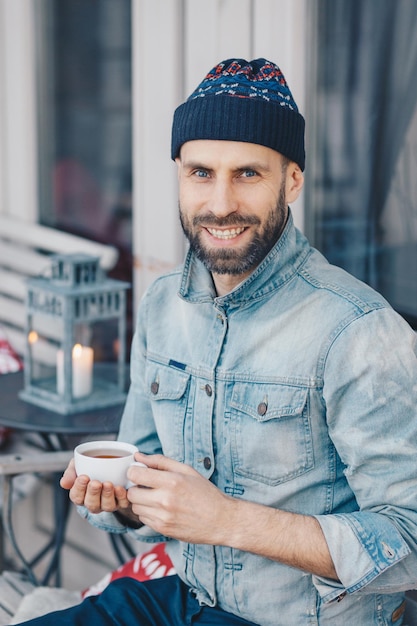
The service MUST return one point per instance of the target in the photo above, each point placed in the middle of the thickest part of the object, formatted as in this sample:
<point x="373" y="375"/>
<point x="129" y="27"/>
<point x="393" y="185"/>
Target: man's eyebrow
<point x="257" y="166"/>
<point x="195" y="165"/>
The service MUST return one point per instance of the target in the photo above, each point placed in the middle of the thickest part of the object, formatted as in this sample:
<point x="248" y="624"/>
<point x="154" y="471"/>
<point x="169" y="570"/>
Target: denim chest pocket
<point x="271" y="432"/>
<point x="168" y="391"/>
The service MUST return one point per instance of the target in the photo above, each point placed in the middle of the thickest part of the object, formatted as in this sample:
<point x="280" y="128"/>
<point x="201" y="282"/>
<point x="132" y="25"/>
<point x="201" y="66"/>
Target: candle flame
<point x="77" y="351"/>
<point x="33" y="336"/>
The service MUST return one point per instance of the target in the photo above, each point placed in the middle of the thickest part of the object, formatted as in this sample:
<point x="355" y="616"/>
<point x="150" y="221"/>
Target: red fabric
<point x="9" y="360"/>
<point x="153" y="564"/>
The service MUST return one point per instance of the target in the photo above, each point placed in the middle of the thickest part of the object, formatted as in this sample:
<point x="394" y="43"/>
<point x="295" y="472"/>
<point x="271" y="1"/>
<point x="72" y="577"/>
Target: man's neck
<point x="225" y="283"/>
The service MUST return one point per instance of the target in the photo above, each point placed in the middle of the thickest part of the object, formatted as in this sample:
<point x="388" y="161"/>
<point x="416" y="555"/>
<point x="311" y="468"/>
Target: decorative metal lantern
<point x="70" y="315"/>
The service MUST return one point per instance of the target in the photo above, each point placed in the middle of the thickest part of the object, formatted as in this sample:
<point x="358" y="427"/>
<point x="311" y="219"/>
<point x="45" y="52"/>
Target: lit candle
<point x="82" y="371"/>
<point x="33" y="341"/>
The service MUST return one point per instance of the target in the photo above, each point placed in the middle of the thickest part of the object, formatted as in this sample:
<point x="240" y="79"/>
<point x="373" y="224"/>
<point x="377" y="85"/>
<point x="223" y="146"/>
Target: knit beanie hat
<point x="242" y="101"/>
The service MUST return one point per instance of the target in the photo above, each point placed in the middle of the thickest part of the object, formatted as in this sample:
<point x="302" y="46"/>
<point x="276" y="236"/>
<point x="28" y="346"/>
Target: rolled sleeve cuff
<point x="109" y="523"/>
<point x="362" y="546"/>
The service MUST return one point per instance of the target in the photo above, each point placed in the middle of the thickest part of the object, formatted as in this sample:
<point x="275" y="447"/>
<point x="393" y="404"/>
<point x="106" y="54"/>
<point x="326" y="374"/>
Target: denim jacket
<point x="297" y="390"/>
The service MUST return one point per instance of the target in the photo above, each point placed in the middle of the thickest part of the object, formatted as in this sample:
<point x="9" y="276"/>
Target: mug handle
<point x="129" y="482"/>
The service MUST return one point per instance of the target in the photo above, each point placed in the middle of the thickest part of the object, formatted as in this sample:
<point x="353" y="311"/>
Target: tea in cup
<point x="106" y="461"/>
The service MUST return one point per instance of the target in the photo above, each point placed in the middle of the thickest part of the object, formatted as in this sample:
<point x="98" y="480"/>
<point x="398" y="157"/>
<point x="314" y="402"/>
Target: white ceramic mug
<point x="106" y="461"/>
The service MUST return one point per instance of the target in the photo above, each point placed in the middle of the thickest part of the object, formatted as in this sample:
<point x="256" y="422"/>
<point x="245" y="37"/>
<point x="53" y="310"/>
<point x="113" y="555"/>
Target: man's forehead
<point x="239" y="152"/>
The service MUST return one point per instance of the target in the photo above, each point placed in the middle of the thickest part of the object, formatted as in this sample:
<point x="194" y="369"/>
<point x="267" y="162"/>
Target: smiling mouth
<point x="228" y="233"/>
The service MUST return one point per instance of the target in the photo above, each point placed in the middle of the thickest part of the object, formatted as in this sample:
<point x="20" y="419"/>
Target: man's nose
<point x="223" y="200"/>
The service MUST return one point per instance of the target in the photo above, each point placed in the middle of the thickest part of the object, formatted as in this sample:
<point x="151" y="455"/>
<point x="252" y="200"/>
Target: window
<point x="85" y="138"/>
<point x="361" y="195"/>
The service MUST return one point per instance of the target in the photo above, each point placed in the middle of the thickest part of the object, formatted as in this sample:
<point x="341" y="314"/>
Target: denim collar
<point x="279" y="266"/>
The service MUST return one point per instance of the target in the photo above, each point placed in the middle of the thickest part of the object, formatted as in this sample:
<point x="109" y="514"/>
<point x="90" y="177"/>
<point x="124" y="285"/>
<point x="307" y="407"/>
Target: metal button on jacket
<point x="154" y="388"/>
<point x="262" y="408"/>
<point x="208" y="390"/>
<point x="207" y="462"/>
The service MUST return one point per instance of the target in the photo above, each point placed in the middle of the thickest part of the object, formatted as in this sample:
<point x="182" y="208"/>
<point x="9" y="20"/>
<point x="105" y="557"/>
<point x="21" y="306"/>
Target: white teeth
<point x="225" y="234"/>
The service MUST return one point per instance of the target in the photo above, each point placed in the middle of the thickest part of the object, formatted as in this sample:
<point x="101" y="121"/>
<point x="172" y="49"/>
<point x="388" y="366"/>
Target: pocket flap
<point x="166" y="383"/>
<point x="265" y="401"/>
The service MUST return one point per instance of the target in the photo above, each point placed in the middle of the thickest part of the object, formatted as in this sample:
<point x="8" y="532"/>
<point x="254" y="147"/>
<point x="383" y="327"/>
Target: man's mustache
<point x="233" y="219"/>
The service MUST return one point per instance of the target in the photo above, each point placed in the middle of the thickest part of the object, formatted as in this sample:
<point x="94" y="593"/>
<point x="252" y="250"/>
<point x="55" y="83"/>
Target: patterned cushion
<point x="152" y="564"/>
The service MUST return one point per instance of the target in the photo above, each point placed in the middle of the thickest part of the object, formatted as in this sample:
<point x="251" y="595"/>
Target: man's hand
<point x="95" y="496"/>
<point x="178" y="501"/>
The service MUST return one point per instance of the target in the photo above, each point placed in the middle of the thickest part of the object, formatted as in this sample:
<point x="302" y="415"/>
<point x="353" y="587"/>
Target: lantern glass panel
<point x="43" y="344"/>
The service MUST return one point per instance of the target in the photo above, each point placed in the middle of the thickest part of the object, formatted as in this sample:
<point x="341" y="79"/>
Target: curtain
<point x="363" y="110"/>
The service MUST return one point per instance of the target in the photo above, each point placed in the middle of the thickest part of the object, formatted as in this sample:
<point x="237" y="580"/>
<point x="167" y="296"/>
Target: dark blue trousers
<point x="127" y="602"/>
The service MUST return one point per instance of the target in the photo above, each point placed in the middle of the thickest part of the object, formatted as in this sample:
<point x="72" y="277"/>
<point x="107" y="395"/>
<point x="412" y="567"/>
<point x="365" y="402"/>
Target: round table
<point x="21" y="415"/>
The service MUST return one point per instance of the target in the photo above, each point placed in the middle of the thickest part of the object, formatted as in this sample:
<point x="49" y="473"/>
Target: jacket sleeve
<point x="370" y="392"/>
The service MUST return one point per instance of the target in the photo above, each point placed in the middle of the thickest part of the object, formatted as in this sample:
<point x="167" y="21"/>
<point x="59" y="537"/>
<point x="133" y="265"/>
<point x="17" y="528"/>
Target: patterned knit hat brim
<point x="241" y="101"/>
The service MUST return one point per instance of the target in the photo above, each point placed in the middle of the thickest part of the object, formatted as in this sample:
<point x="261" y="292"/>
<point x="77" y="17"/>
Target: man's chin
<point x="228" y="261"/>
<point x="233" y="267"/>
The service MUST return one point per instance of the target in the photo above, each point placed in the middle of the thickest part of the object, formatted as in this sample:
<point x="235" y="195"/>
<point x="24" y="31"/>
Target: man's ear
<point x="294" y="182"/>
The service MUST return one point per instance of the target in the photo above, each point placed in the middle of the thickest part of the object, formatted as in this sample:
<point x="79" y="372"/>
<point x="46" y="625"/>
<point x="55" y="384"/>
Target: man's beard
<point x="239" y="260"/>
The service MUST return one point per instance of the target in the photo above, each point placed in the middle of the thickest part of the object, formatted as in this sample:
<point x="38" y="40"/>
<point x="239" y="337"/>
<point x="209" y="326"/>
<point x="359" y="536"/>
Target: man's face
<point x="233" y="203"/>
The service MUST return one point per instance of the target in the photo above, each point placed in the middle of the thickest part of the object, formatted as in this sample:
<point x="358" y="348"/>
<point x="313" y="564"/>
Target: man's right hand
<point x="94" y="495"/>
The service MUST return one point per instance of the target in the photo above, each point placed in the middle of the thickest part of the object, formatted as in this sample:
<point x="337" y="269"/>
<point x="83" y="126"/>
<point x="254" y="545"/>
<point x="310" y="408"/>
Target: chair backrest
<point x="25" y="251"/>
